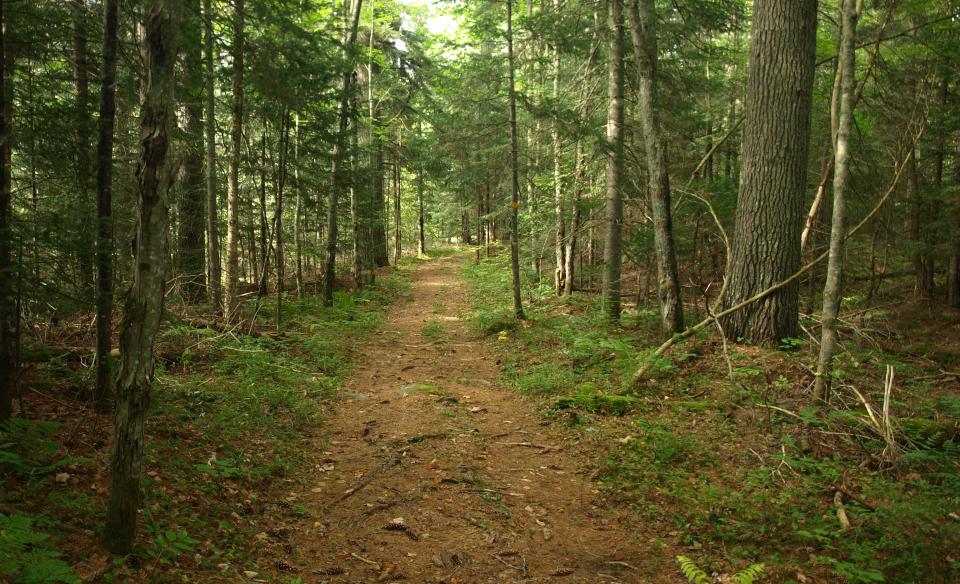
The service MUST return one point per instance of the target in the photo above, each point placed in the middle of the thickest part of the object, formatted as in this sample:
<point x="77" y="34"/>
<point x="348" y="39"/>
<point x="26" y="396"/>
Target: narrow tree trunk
<point x="214" y="277"/>
<point x="278" y="213"/>
<point x="953" y="278"/>
<point x="922" y="259"/>
<point x="643" y="27"/>
<point x="570" y="252"/>
<point x="230" y="304"/>
<point x="330" y="271"/>
<point x="421" y="237"/>
<point x="766" y="247"/>
<point x="831" y="290"/>
<point x="580" y="164"/>
<point x="263" y="266"/>
<point x="108" y="108"/>
<point x="144" y="304"/>
<point x="298" y="206"/>
<point x="397" y="235"/>
<point x="81" y="70"/>
<point x="191" y="262"/>
<point x="560" y="264"/>
<point x="8" y="303"/>
<point x="355" y="220"/>
<point x="614" y="155"/>
<point x="514" y="171"/>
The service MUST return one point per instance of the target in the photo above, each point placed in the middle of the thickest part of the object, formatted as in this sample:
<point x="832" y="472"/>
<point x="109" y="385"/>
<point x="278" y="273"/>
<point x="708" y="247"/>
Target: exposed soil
<point x="431" y="472"/>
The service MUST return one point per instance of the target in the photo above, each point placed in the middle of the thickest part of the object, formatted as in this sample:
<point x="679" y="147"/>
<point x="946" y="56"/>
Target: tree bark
<point x="108" y="108"/>
<point x="766" y="249"/>
<point x="397" y="179"/>
<point x="230" y="303"/>
<point x="191" y="262"/>
<point x="330" y="270"/>
<point x="81" y="69"/>
<point x="298" y="206"/>
<point x="278" y="213"/>
<point x="614" y="155"/>
<point x="514" y="170"/>
<point x="643" y="28"/>
<point x="8" y="303"/>
<point x="214" y="276"/>
<point x="144" y="303"/>
<point x="560" y="264"/>
<point x="421" y="236"/>
<point x="831" y="290"/>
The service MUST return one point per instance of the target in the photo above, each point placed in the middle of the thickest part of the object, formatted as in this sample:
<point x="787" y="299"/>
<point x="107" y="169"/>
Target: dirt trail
<point x="484" y="492"/>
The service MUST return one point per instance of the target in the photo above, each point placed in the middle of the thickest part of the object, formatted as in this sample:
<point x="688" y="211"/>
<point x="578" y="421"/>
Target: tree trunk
<point x="108" y="108"/>
<point x="643" y="27"/>
<point x="81" y="69"/>
<point x="230" y="303"/>
<point x="560" y="264"/>
<point x="214" y="277"/>
<point x="278" y="213"/>
<point x="330" y="270"/>
<point x="514" y="171"/>
<point x="397" y="235"/>
<point x="191" y="262"/>
<point x="920" y="212"/>
<point x="144" y="303"/>
<point x="298" y="206"/>
<point x="8" y="303"/>
<point x="766" y="249"/>
<point x="614" y="156"/>
<point x="831" y="290"/>
<point x="421" y="236"/>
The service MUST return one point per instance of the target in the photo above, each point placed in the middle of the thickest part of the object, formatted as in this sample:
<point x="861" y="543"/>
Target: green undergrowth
<point x="719" y="475"/>
<point x="231" y="419"/>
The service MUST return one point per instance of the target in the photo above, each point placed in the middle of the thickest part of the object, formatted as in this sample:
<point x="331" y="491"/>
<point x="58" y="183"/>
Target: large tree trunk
<point x="514" y="171"/>
<point x="766" y="249"/>
<point x="831" y="290"/>
<point x="8" y="302"/>
<point x="330" y="270"/>
<point x="108" y="108"/>
<point x="144" y="304"/>
<point x="643" y="27"/>
<point x="230" y="303"/>
<point x="214" y="277"/>
<point x="614" y="155"/>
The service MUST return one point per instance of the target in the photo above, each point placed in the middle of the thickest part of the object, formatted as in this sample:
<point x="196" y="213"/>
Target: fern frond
<point x="692" y="572"/>
<point x="750" y="574"/>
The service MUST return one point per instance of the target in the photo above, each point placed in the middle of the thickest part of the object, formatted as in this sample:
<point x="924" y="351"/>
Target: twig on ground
<point x="365" y="560"/>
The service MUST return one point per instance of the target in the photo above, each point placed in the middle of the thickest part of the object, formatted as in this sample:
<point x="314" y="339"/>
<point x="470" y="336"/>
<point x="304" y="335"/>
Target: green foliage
<point x="169" y="545"/>
<point x="695" y="575"/>
<point x="692" y="572"/>
<point x="25" y="447"/>
<point x="26" y="556"/>
<point x="433" y="331"/>
<point x="588" y="397"/>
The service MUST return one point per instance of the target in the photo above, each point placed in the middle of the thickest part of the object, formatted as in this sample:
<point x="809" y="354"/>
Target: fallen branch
<point x="525" y="444"/>
<point x="638" y="376"/>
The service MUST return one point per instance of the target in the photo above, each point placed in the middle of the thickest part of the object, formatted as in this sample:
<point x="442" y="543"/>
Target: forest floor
<point x="416" y="431"/>
<point x="430" y="470"/>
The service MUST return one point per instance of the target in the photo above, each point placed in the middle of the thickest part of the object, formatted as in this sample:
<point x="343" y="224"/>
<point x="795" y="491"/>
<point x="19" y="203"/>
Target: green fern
<point x="693" y="573"/>
<point x="750" y="574"/>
